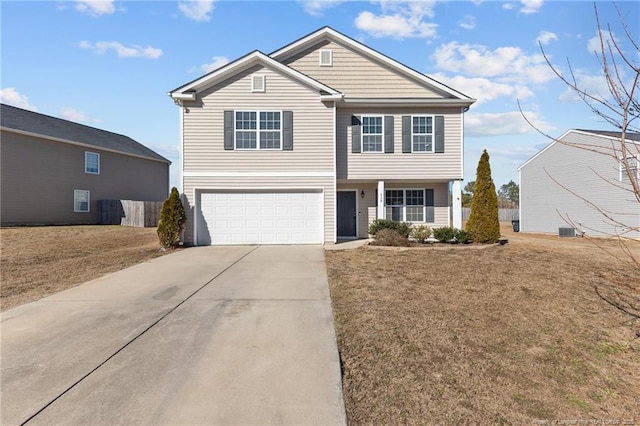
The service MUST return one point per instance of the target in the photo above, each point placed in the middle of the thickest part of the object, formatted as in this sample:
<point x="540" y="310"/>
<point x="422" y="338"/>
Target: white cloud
<point x="10" y="96"/>
<point x="593" y="45"/>
<point x="122" y="51"/>
<point x="468" y="22"/>
<point x="399" y="19"/>
<point x="483" y="89"/>
<point x="595" y="85"/>
<point x="317" y="7"/>
<point x="531" y="6"/>
<point x="216" y="62"/>
<point x="507" y="6"/>
<point x="75" y="115"/>
<point x="508" y="123"/>
<point x="511" y="64"/>
<point x="545" y="37"/>
<point x="95" y="7"/>
<point x="198" y="10"/>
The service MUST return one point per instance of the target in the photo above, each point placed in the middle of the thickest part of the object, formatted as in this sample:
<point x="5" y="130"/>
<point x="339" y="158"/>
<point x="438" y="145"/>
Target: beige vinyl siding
<point x="191" y="184"/>
<point x="38" y="178"/>
<point x="203" y="135"/>
<point x="398" y="165"/>
<point x="555" y="185"/>
<point x="357" y="76"/>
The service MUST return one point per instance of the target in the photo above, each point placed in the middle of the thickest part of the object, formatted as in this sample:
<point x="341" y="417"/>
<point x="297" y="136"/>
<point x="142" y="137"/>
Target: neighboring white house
<point x="578" y="182"/>
<point x="314" y="141"/>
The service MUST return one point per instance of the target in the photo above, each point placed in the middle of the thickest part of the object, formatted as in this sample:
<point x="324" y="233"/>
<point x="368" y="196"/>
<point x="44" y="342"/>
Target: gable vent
<point x="326" y="58"/>
<point x="258" y="83"/>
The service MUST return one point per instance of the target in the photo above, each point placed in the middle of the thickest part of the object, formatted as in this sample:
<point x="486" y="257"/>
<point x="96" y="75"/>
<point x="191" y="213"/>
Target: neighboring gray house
<point x="54" y="171"/>
<point x="311" y="143"/>
<point x="579" y="182"/>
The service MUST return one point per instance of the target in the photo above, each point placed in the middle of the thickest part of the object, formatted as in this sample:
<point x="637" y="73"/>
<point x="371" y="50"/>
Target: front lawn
<point x="498" y="335"/>
<point x="38" y="261"/>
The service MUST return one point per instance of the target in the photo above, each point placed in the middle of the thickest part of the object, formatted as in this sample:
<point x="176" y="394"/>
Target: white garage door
<point x="260" y="218"/>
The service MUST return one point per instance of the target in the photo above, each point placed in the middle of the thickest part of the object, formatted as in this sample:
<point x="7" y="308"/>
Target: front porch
<point x="431" y="203"/>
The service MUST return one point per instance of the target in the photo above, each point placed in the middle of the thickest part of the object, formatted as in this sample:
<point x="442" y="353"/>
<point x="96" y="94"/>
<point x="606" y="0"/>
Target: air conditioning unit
<point x="566" y="232"/>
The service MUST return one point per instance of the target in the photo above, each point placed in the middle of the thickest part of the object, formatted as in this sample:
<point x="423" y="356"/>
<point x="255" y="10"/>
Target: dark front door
<point x="347" y="215"/>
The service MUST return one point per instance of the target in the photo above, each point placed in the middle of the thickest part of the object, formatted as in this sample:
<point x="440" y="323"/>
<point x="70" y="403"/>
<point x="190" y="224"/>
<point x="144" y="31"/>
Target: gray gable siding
<point x="558" y="184"/>
<point x="40" y="124"/>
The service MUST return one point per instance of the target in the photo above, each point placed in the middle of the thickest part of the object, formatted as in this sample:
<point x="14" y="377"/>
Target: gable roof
<point x="328" y="33"/>
<point x="635" y="137"/>
<point x="188" y="91"/>
<point x="40" y="125"/>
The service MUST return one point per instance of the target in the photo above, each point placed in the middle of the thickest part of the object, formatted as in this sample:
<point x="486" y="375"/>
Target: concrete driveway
<point x="208" y="335"/>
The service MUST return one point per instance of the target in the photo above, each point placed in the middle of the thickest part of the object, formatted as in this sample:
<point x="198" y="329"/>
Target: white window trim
<point x="264" y="83"/>
<point x="433" y="141"/>
<point x="370" y="134"/>
<point x="75" y="194"/>
<point x="257" y="148"/>
<point x="330" y="63"/>
<point x="404" y="203"/>
<point x="623" y="176"/>
<point x="86" y="158"/>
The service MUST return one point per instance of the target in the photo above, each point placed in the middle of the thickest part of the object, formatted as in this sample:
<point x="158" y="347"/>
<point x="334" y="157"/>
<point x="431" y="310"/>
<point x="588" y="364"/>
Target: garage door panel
<point x="261" y="218"/>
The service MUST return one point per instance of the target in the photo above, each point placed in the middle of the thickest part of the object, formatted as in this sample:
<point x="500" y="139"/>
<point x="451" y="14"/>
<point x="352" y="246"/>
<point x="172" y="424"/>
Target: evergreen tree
<point x="172" y="220"/>
<point x="483" y="224"/>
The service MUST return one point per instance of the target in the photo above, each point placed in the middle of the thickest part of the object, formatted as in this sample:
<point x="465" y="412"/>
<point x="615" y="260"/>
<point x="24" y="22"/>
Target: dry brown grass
<point x="38" y="261"/>
<point x="499" y="335"/>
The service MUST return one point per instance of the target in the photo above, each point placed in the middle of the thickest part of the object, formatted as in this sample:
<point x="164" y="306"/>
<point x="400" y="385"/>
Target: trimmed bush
<point x="444" y="234"/>
<point x="403" y="228"/>
<point x="172" y="220"/>
<point x="483" y="224"/>
<point x="390" y="237"/>
<point x="462" y="236"/>
<point x="420" y="233"/>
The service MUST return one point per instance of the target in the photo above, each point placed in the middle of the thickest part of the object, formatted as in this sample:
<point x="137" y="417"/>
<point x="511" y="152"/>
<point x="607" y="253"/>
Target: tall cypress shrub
<point x="484" y="224"/>
<point x="172" y="220"/>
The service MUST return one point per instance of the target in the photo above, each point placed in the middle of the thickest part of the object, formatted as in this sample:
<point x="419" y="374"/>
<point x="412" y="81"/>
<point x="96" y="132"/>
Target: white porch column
<point x="380" y="213"/>
<point x="456" y="201"/>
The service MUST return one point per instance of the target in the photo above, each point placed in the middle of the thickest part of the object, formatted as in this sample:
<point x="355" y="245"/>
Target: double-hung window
<point x="372" y="133"/>
<point x="422" y="133"/>
<point x="405" y="205"/>
<point x="92" y="163"/>
<point x="634" y="168"/>
<point x="81" y="200"/>
<point x="258" y="129"/>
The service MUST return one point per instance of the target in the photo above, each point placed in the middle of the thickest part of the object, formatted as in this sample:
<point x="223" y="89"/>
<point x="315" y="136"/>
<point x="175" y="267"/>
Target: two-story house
<point x="54" y="171"/>
<point x="313" y="142"/>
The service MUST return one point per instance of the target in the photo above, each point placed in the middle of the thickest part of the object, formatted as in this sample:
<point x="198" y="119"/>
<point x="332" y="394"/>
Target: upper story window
<point x="372" y="133"/>
<point x="634" y="168"/>
<point x="326" y="58"/>
<point x="258" y="130"/>
<point x="81" y="200"/>
<point x="92" y="163"/>
<point x="422" y="133"/>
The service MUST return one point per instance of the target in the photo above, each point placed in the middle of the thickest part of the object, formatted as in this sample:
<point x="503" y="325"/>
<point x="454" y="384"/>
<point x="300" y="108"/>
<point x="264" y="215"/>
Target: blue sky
<point x="110" y="64"/>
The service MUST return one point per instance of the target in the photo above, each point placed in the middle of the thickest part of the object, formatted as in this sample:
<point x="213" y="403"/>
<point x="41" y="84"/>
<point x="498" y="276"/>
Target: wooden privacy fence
<point x="129" y="213"/>
<point x="504" y="215"/>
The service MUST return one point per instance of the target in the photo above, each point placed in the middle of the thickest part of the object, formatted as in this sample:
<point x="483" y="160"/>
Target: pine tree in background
<point x="172" y="220"/>
<point x="483" y="224"/>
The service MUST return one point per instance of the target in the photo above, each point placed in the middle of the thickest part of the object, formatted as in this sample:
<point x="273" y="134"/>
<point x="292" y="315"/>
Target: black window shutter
<point x="429" y="204"/>
<point x="228" y="130"/>
<point x="439" y="133"/>
<point x="356" y="134"/>
<point x="388" y="134"/>
<point x="406" y="134"/>
<point x="287" y="130"/>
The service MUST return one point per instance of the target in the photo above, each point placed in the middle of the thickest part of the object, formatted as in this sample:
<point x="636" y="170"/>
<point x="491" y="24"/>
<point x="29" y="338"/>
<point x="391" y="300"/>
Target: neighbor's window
<point x="258" y="130"/>
<point x="405" y="205"/>
<point x="634" y="168"/>
<point x="92" y="163"/>
<point x="372" y="134"/>
<point x="81" y="201"/>
<point x="422" y="133"/>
